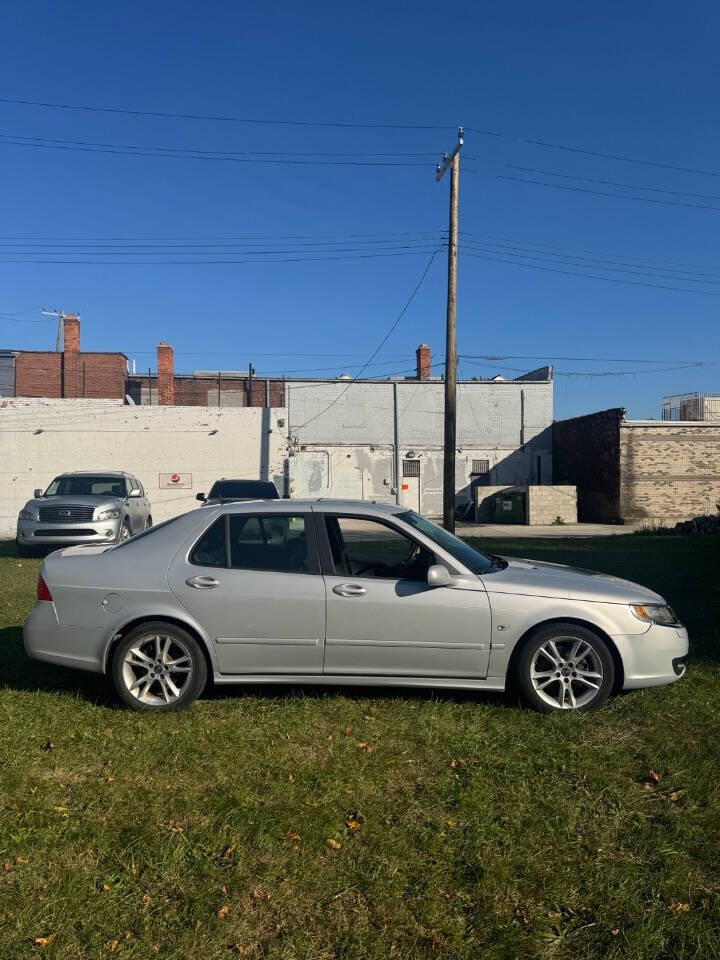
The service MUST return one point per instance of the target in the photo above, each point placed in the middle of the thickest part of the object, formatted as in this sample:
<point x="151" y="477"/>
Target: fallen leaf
<point x="238" y="948"/>
<point x="223" y="889"/>
<point x="348" y="731"/>
<point x="21" y="860"/>
<point x="45" y="941"/>
<point x="352" y="824"/>
<point x="653" y="776"/>
<point x="111" y="945"/>
<point x="677" y="907"/>
<point x="331" y="737"/>
<point x="366" y="717"/>
<point x="615" y="931"/>
<point x="229" y="850"/>
<point x="291" y="778"/>
<point x="33" y="791"/>
<point x="128" y="935"/>
<point x="48" y="745"/>
<point x="222" y="913"/>
<point x="260" y="894"/>
<point x="335" y="844"/>
<point x="8" y="866"/>
<point x="452" y="824"/>
<point x="291" y="837"/>
<point x="146" y="899"/>
<point x="110" y="780"/>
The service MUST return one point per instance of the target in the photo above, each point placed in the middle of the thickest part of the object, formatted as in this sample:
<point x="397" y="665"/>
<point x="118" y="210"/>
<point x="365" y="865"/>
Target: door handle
<point x="202" y="583"/>
<point x="349" y="590"/>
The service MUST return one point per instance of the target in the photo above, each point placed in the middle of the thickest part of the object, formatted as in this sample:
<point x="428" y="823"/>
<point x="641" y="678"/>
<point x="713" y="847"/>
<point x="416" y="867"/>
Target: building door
<point x="410" y="492"/>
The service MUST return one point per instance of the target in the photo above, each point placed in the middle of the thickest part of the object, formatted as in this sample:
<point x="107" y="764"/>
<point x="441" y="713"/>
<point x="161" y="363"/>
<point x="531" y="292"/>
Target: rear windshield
<point x="243" y="489"/>
<point x="99" y="486"/>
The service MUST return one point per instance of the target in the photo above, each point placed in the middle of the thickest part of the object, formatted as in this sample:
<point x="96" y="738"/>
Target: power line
<point x="265" y="121"/>
<point x="226" y="119"/>
<point x="595" y="373"/>
<point x="260" y="239"/>
<point x="604" y="193"/>
<point x="591" y="276"/>
<point x="195" y="251"/>
<point x="488" y="356"/>
<point x="606" y="265"/>
<point x="382" y="343"/>
<point x="546" y="244"/>
<point x="164" y="153"/>
<point x="163" y="263"/>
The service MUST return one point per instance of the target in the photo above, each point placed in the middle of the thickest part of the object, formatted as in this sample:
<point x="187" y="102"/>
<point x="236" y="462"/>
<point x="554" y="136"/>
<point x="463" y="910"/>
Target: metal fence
<point x="692" y="406"/>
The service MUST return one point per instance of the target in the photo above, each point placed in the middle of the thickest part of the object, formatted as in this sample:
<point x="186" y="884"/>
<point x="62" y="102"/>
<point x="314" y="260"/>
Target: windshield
<point x="243" y="489"/>
<point x="467" y="555"/>
<point x="87" y="486"/>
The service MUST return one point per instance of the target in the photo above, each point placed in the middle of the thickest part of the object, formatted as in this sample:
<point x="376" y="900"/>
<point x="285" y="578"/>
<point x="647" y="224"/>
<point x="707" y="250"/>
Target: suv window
<point x="209" y="551"/>
<point x="368" y="548"/>
<point x="268" y="542"/>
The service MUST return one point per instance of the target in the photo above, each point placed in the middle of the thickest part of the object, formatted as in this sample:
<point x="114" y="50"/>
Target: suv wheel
<point x="158" y="667"/>
<point x="565" y="667"/>
<point x="124" y="532"/>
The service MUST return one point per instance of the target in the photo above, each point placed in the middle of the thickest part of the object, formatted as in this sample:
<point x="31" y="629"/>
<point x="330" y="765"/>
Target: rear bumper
<point x="45" y="639"/>
<point x="653" y="658"/>
<point x="36" y="532"/>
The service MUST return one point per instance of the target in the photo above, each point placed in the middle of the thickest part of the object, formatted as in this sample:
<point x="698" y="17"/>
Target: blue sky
<point x="633" y="81"/>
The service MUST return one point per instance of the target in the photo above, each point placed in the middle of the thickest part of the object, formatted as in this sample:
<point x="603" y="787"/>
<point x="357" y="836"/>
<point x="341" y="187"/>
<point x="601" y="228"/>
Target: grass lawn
<point x="358" y="824"/>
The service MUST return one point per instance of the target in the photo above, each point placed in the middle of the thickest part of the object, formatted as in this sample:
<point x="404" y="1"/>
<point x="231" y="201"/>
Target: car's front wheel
<point x="565" y="666"/>
<point x="158" y="667"/>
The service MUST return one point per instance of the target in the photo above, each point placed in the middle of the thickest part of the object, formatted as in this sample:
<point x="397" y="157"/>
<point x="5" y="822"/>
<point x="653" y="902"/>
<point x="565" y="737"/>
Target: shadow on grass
<point x="22" y="673"/>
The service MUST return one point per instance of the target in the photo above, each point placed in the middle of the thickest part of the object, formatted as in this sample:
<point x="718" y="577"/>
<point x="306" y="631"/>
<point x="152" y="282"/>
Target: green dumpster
<point x="509" y="507"/>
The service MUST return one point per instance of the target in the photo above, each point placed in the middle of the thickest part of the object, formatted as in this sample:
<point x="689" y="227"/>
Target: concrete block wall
<point x="42" y="438"/>
<point x="544" y="504"/>
<point x="547" y="504"/>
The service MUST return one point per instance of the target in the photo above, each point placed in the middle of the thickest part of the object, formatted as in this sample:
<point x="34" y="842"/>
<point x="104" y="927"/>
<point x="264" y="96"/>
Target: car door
<point x="382" y="617"/>
<point x="253" y="581"/>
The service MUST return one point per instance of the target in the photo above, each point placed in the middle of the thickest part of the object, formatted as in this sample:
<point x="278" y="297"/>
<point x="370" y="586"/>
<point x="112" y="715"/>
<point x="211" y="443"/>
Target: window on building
<point x="480" y="466"/>
<point x="411" y="468"/>
<point x="367" y="548"/>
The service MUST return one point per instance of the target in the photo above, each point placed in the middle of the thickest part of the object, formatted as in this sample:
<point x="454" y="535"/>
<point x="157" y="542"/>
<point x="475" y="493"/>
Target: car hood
<point x="60" y="502"/>
<point x="539" y="579"/>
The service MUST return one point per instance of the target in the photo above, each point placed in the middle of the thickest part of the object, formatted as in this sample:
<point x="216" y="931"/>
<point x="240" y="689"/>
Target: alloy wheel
<point x="157" y="669"/>
<point x="567" y="673"/>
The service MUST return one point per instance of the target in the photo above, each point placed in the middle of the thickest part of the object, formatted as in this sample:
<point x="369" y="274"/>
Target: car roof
<point x="93" y="473"/>
<point x="322" y="505"/>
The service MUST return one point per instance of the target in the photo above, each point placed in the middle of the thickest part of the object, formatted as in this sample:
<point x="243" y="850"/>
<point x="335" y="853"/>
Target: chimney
<point x="71" y="356"/>
<point x="423" y="361"/>
<point x="165" y="374"/>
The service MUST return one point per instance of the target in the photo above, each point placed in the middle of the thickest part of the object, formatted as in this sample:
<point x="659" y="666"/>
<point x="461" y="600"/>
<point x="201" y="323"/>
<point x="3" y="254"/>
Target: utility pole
<point x="60" y="317"/>
<point x="451" y="162"/>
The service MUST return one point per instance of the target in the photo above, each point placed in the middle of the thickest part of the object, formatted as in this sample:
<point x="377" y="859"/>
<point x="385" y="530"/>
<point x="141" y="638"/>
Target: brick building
<point x="67" y="374"/>
<point x="638" y="471"/>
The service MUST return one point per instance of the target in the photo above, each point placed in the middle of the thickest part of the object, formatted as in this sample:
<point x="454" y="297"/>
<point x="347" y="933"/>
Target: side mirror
<point x="438" y="576"/>
<point x="200" y="496"/>
<point x="38" y="492"/>
<point x="134" y="492"/>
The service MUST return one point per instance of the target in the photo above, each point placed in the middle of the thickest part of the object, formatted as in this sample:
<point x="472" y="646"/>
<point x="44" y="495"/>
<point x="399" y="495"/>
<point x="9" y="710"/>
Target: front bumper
<point x="653" y="658"/>
<point x="38" y="533"/>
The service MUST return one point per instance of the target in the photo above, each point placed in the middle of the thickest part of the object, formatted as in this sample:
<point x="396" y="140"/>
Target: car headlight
<point x="655" y="613"/>
<point x="112" y="514"/>
<point x="27" y="515"/>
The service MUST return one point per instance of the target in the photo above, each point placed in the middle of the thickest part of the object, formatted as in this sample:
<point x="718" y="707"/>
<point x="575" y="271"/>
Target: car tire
<point x="565" y="666"/>
<point x="148" y="523"/>
<point x="22" y="551"/>
<point x="124" y="533"/>
<point x="158" y="667"/>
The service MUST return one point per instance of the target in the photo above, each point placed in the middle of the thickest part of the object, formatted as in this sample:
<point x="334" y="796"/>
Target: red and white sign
<point x="175" y="481"/>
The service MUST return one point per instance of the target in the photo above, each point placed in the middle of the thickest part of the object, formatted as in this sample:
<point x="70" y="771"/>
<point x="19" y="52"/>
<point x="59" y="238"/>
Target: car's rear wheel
<point x="565" y="666"/>
<point x="158" y="667"/>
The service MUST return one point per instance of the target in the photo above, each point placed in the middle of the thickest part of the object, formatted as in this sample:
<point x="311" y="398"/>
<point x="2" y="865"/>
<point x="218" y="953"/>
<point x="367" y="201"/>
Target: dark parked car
<point x="234" y="491"/>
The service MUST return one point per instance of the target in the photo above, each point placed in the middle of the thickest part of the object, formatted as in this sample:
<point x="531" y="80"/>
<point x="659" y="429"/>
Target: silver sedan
<point x="336" y="592"/>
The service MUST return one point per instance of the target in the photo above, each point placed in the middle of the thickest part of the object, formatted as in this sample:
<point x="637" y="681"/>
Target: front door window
<point x="368" y="548"/>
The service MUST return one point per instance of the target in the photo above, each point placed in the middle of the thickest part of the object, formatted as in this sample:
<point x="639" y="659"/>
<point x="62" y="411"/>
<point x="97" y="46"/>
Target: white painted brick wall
<point x="144" y="441"/>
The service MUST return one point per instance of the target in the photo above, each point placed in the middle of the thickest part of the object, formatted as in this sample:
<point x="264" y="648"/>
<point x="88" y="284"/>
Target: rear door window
<point x="271" y="542"/>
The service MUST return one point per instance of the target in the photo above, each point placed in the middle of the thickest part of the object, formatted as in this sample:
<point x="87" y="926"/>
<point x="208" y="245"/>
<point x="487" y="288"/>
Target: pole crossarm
<point x="449" y="157"/>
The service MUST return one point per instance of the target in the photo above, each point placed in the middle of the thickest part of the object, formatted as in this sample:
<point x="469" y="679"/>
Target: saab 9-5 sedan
<point x="335" y="592"/>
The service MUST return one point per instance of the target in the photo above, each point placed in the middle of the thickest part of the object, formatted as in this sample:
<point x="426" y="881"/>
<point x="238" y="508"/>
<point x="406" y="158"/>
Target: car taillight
<point x="42" y="590"/>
